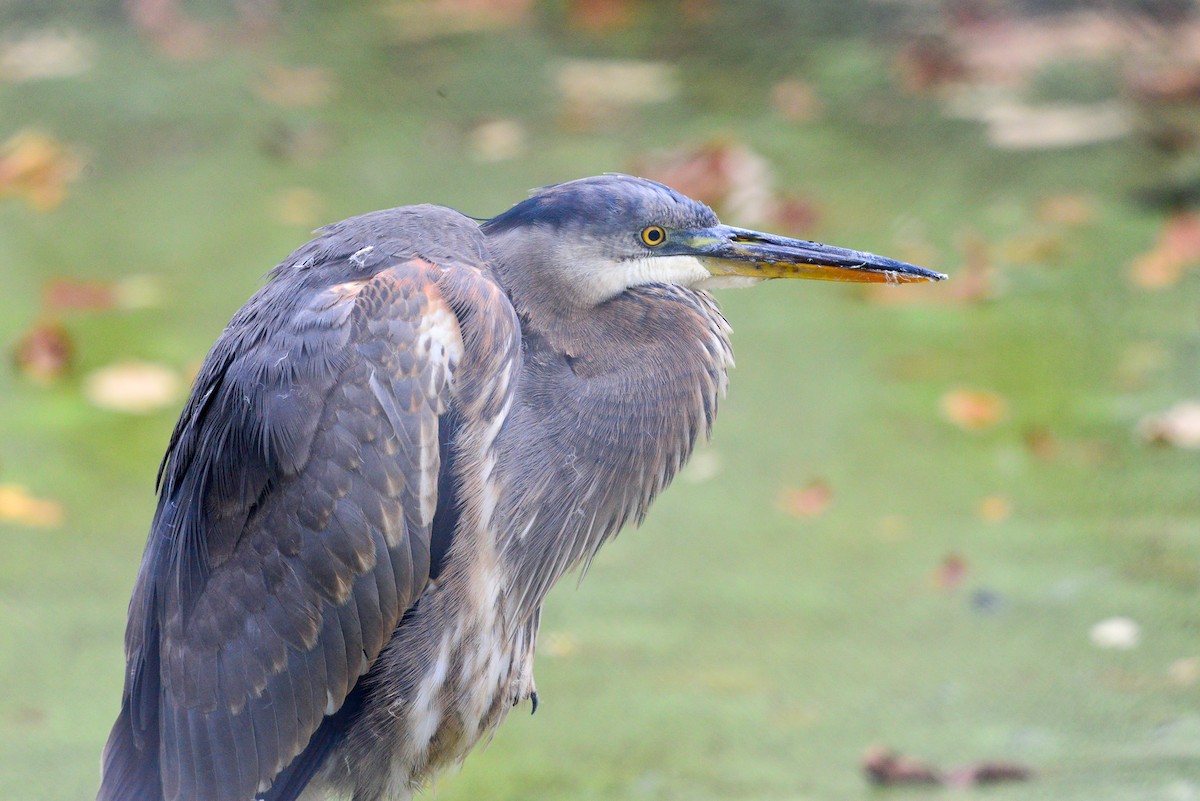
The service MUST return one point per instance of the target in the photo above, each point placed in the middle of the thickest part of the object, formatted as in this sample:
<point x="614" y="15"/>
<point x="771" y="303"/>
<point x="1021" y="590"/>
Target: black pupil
<point x="653" y="235"/>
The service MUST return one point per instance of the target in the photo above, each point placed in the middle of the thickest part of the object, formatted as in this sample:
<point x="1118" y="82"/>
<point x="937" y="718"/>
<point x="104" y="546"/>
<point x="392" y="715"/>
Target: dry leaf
<point x="48" y="53"/>
<point x="886" y="768"/>
<point x="420" y="20"/>
<point x="299" y="206"/>
<point x="164" y="22"/>
<point x="18" y="506"/>
<point x="37" y="168"/>
<point x="598" y="93"/>
<point x="809" y="501"/>
<point x="45" y="353"/>
<point x="132" y="387"/>
<point x="951" y="572"/>
<point x="1071" y="209"/>
<point x="1178" y="426"/>
<point x="973" y="410"/>
<point x="995" y="509"/>
<point x="602" y="16"/>
<point x="796" y="100"/>
<point x="1119" y="633"/>
<point x="727" y="175"/>
<point x="294" y="87"/>
<point x="496" y="140"/>
<point x="77" y="294"/>
<point x="1177" y="249"/>
<point x="1184" y="672"/>
<point x="987" y="773"/>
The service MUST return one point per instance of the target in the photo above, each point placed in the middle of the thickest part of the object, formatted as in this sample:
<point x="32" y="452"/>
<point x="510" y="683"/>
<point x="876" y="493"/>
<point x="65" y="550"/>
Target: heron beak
<point x="728" y="251"/>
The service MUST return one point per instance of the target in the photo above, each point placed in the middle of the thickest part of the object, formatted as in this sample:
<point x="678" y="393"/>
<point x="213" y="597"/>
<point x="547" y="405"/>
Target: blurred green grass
<point x="725" y="650"/>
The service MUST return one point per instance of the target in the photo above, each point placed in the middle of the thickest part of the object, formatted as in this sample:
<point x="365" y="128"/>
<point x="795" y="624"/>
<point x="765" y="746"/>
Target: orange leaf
<point x="37" y="168"/>
<point x="809" y="501"/>
<point x="45" y="353"/>
<point x="973" y="410"/>
<point x="18" y="506"/>
<point x="995" y="509"/>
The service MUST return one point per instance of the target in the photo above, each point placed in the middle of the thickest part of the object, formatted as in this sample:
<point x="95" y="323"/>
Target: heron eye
<point x="653" y="236"/>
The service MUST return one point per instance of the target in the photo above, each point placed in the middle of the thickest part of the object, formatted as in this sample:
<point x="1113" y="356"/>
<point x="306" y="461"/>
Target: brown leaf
<point x="796" y="100"/>
<point x="727" y="175"/>
<point x="36" y="168"/>
<point x="809" y="501"/>
<point x="294" y="87"/>
<point x="45" y="353"/>
<point x="77" y="294"/>
<point x="973" y="410"/>
<point x="421" y="20"/>
<point x="928" y="63"/>
<point x="18" y="506"/>
<point x="988" y="773"/>
<point x="951" y="572"/>
<point x="886" y="768"/>
<point x="602" y="16"/>
<point x="132" y="387"/>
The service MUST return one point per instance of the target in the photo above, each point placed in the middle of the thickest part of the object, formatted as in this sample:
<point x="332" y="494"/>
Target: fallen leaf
<point x="37" y="168"/>
<point x="1041" y="443"/>
<point x="1041" y="248"/>
<point x="597" y="92"/>
<point x="294" y="87"/>
<point x="300" y="207"/>
<point x="176" y="34"/>
<point x="41" y="54"/>
<point x="886" y="768"/>
<point x="18" y="506"/>
<point x="132" y="387"/>
<point x="987" y="773"/>
<point x="927" y="63"/>
<point x="973" y="410"/>
<point x="809" y="501"/>
<point x="1020" y="126"/>
<point x="1177" y="249"/>
<point x="1178" y="426"/>
<point x="796" y="101"/>
<point x="496" y="140"/>
<point x="995" y="509"/>
<point x="76" y="294"/>
<point x="45" y="353"/>
<point x="1184" y="672"/>
<point x="951" y="572"/>
<point x="725" y="174"/>
<point x="421" y="20"/>
<point x="1070" y="209"/>
<point x="1117" y="633"/>
<point x="601" y="16"/>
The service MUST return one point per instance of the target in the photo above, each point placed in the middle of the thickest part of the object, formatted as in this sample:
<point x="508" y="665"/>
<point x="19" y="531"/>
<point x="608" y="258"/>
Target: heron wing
<point x="293" y="531"/>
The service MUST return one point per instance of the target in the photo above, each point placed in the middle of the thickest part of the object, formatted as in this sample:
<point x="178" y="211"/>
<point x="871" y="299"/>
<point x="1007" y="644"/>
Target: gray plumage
<point x="390" y="456"/>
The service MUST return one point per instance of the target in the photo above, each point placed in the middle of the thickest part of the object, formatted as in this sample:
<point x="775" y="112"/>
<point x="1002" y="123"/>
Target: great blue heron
<point x="389" y="457"/>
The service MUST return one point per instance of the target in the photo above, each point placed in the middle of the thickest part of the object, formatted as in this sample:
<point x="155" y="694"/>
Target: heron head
<point x="589" y="240"/>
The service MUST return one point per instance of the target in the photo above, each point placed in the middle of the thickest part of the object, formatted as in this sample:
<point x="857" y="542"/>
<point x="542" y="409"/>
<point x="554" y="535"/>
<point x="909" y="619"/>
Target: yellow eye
<point x="653" y="236"/>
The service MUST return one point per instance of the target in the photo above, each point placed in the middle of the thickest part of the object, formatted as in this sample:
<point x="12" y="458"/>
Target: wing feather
<point x="293" y="531"/>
